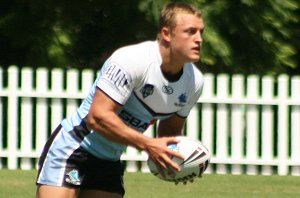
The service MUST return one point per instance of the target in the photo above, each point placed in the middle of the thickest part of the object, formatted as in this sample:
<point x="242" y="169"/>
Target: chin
<point x="194" y="59"/>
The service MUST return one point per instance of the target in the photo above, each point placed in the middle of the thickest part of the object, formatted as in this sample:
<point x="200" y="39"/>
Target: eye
<point x="191" y="31"/>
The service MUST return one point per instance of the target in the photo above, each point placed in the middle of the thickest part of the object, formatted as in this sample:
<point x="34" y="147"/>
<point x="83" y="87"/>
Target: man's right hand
<point x="158" y="151"/>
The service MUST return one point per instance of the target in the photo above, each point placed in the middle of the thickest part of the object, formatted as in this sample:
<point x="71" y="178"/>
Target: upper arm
<point x="102" y="106"/>
<point x="171" y="126"/>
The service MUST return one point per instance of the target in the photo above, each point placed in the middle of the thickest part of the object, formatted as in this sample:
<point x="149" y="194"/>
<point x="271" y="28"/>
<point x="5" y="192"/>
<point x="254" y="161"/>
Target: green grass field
<point x="20" y="184"/>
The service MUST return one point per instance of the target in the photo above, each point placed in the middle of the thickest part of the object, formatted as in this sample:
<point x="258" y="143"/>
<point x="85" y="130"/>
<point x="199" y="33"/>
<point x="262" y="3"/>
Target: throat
<point x="172" y="77"/>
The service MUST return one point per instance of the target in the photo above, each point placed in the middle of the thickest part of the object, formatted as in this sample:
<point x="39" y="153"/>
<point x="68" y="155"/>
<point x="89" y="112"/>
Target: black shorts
<point x="79" y="169"/>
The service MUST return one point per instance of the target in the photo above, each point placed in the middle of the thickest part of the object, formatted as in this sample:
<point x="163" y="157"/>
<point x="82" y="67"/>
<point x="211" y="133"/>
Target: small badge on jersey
<point x="181" y="100"/>
<point x="167" y="89"/>
<point x="73" y="177"/>
<point x="147" y="90"/>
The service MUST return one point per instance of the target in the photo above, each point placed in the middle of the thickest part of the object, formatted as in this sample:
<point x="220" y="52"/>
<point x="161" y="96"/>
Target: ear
<point x="165" y="34"/>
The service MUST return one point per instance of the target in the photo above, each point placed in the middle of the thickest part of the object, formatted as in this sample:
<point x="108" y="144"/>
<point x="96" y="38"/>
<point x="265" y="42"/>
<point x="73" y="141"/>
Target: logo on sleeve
<point x="147" y="90"/>
<point x="116" y="75"/>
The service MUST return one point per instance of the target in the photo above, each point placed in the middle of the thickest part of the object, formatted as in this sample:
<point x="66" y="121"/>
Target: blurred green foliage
<point x="241" y="36"/>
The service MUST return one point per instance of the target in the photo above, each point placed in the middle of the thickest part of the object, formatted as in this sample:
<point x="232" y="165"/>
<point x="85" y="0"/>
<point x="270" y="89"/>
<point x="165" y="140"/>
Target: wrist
<point x="142" y="142"/>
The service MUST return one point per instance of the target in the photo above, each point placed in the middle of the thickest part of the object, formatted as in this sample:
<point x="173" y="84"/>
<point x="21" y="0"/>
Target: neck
<point x="172" y="77"/>
<point x="170" y="64"/>
<point x="171" y="68"/>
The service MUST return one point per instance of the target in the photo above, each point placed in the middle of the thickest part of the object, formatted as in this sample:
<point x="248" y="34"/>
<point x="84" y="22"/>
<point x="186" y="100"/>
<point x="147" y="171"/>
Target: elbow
<point x="93" y="121"/>
<point x="99" y="122"/>
<point x="90" y="121"/>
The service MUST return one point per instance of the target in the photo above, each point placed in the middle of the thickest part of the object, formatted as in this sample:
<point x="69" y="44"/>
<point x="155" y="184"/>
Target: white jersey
<point x="133" y="78"/>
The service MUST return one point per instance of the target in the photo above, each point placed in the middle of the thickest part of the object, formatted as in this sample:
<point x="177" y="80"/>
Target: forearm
<point x="172" y="126"/>
<point x="166" y="130"/>
<point x="164" y="133"/>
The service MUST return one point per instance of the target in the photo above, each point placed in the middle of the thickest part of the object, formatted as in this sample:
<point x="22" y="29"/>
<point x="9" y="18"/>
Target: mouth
<point x="196" y="49"/>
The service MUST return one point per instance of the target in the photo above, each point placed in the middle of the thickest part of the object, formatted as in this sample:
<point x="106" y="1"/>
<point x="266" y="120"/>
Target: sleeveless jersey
<point x="133" y="78"/>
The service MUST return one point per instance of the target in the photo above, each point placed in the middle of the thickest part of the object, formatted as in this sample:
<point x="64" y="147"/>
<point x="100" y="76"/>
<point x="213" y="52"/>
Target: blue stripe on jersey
<point x="153" y="113"/>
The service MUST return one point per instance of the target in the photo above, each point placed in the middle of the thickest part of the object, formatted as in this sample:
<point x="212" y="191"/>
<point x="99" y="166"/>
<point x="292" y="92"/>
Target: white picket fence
<point x="250" y="124"/>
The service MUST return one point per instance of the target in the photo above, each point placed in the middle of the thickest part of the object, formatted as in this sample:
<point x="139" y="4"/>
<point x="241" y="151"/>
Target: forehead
<point x="189" y="20"/>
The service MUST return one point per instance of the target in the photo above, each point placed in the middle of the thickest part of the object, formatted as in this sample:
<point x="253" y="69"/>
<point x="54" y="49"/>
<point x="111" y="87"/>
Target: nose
<point x="198" y="38"/>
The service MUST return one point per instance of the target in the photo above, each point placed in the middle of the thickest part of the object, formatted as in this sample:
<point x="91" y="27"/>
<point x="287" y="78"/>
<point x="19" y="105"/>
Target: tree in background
<point x="26" y="32"/>
<point x="67" y="33"/>
<point x="241" y="36"/>
<point x="251" y="36"/>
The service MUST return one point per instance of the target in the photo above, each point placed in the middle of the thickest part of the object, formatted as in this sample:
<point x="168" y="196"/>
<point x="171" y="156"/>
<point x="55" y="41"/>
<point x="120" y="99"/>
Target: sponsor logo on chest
<point x="133" y="121"/>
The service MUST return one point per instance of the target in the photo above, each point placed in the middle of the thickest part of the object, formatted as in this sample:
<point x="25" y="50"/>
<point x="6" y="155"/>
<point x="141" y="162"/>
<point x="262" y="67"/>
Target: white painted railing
<point x="250" y="124"/>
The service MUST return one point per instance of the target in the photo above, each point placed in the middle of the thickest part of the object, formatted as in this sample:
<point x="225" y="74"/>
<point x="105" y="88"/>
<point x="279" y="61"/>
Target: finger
<point x="171" y="165"/>
<point x="164" y="167"/>
<point x="160" y="165"/>
<point x="171" y="172"/>
<point x="165" y="163"/>
<point x="175" y="154"/>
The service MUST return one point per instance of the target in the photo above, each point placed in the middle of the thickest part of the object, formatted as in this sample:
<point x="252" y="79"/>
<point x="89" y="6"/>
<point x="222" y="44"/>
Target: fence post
<point x="41" y="109"/>
<point x="222" y="123"/>
<point x="237" y="123"/>
<point x="252" y="124"/>
<point x="1" y="115"/>
<point x="192" y="127"/>
<point x="295" y="125"/>
<point x="26" y="117"/>
<point x="72" y="88"/>
<point x="207" y="120"/>
<point x="56" y="103"/>
<point x="282" y="124"/>
<point x="12" y="117"/>
<point x="87" y="80"/>
<point x="267" y="124"/>
<point x="131" y="165"/>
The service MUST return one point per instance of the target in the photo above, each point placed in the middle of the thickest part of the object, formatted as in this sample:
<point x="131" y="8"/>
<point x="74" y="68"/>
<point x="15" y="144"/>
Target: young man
<point x="137" y="85"/>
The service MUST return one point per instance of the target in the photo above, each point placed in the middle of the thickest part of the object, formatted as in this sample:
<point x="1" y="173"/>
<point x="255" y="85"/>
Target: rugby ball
<point x="196" y="160"/>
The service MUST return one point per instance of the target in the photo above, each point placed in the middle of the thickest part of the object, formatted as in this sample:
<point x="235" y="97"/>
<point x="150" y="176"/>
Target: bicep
<point x="102" y="106"/>
<point x="171" y="126"/>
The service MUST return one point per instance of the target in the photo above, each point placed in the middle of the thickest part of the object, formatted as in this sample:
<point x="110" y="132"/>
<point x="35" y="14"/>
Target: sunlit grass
<point x="17" y="184"/>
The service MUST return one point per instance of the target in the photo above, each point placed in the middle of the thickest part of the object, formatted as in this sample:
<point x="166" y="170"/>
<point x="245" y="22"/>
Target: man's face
<point x="186" y="38"/>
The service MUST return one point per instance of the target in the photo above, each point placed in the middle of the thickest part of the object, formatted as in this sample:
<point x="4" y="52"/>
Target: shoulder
<point x="135" y="58"/>
<point x="137" y="53"/>
<point x="136" y="47"/>
<point x="195" y="75"/>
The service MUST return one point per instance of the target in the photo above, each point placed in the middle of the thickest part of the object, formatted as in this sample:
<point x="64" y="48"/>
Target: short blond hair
<point x="171" y="10"/>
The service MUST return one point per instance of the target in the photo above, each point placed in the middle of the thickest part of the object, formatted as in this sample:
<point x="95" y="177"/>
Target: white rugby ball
<point x="196" y="159"/>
